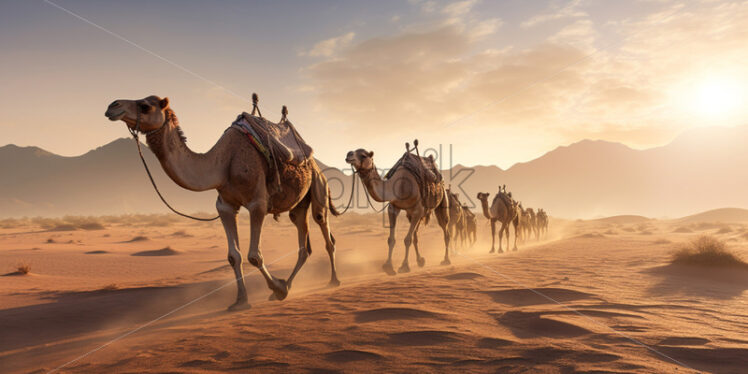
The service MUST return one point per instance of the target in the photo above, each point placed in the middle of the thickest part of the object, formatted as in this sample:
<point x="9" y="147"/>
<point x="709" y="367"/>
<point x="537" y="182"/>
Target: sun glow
<point x="717" y="98"/>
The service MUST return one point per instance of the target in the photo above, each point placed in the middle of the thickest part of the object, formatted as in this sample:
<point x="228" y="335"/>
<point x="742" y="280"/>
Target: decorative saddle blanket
<point x="278" y="142"/>
<point x="427" y="175"/>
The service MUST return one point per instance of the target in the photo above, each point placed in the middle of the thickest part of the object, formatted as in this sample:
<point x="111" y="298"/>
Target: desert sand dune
<point x="574" y="303"/>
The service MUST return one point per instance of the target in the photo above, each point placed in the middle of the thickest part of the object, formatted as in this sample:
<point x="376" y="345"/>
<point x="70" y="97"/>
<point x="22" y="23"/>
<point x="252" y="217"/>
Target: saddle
<point x="427" y="175"/>
<point x="505" y="198"/>
<point x="281" y="141"/>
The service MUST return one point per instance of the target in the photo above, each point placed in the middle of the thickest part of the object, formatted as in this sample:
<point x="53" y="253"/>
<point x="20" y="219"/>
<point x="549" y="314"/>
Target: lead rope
<point x="353" y="191"/>
<point x="148" y="171"/>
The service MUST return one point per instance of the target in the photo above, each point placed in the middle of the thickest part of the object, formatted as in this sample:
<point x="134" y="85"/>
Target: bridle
<point x="353" y="191"/>
<point x="136" y="136"/>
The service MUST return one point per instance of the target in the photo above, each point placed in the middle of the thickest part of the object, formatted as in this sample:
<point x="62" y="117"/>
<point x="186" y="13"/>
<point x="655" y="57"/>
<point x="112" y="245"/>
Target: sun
<point x="717" y="98"/>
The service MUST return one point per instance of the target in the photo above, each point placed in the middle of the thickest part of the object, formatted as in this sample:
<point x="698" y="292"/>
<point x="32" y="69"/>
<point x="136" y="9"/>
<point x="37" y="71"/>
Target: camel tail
<point x="427" y="218"/>
<point x="334" y="211"/>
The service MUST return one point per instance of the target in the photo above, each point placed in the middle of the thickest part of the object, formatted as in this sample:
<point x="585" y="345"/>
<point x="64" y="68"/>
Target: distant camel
<point x="532" y="223"/>
<point x="456" y="219"/>
<point x="542" y="222"/>
<point x="504" y="210"/>
<point x="471" y="225"/>
<point x="403" y="192"/>
<point x="238" y="171"/>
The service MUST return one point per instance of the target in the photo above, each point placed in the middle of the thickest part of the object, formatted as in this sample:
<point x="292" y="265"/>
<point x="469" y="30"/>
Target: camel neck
<point x="484" y="205"/>
<point x="190" y="170"/>
<point x="373" y="183"/>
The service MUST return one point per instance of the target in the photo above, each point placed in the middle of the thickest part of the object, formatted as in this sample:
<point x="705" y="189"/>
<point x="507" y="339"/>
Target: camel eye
<point x="144" y="108"/>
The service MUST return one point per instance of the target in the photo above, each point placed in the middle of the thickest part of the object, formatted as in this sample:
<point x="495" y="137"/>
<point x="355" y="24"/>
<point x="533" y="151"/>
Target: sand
<point x="595" y="296"/>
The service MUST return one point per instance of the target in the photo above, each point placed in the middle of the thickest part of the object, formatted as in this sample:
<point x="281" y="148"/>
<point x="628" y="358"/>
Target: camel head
<point x="360" y="159"/>
<point x="482" y="196"/>
<point x="149" y="114"/>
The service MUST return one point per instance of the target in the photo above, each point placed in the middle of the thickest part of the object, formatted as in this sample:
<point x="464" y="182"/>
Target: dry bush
<point x="23" y="268"/>
<point x="707" y="251"/>
<point x="661" y="241"/>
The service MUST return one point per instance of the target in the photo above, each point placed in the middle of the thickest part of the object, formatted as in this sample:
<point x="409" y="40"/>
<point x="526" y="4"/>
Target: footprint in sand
<point x="428" y="337"/>
<point x="683" y="340"/>
<point x="385" y="314"/>
<point x="532" y="324"/>
<point x="463" y="276"/>
<point x="349" y="355"/>
<point x="536" y="296"/>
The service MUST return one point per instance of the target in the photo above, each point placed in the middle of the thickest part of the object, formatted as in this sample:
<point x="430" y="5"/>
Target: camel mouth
<point x="349" y="160"/>
<point x="115" y="117"/>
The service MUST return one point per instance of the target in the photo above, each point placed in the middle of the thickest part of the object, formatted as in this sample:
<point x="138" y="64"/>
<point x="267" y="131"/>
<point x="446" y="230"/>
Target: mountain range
<point x="702" y="169"/>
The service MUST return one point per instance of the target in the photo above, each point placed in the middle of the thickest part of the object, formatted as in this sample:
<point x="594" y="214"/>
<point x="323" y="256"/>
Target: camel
<point x="542" y="222"/>
<point x="403" y="192"/>
<point x="471" y="225"/>
<point x="501" y="212"/>
<point x="456" y="219"/>
<point x="237" y="170"/>
<point x="532" y="223"/>
<point x="524" y="218"/>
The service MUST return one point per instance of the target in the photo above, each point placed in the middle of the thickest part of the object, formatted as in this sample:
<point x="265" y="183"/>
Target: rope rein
<point x="353" y="192"/>
<point x="135" y="136"/>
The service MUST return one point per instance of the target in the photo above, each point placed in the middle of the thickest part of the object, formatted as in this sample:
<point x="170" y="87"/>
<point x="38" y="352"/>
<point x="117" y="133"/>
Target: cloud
<point x="329" y="47"/>
<point x="570" y="86"/>
<point x="459" y="8"/>
<point x="557" y="12"/>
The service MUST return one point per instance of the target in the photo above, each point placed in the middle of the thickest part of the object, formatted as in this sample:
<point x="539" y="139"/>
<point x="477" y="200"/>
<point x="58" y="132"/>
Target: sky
<point x="502" y="82"/>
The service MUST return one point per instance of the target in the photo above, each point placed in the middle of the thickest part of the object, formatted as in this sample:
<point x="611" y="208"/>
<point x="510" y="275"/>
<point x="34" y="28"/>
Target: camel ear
<point x="164" y="103"/>
<point x="371" y="154"/>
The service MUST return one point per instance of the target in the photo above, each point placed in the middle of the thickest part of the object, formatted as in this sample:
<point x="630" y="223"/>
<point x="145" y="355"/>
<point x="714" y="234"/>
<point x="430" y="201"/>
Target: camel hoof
<point x="240" y="304"/>
<point x="387" y="267"/>
<point x="492" y="250"/>
<point x="404" y="269"/>
<point x="280" y="290"/>
<point x="515" y="249"/>
<point x="333" y="283"/>
<point x="421" y="262"/>
<point x="446" y="262"/>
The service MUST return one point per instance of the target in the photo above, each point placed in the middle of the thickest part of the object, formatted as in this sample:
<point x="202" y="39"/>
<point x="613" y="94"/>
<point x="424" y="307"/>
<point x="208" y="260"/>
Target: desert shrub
<point x="707" y="251"/>
<point x="682" y="230"/>
<point x="23" y="268"/>
<point x="661" y="241"/>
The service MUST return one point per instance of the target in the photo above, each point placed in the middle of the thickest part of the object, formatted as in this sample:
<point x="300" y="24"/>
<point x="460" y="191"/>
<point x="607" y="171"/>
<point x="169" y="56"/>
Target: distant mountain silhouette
<point x="701" y="169"/>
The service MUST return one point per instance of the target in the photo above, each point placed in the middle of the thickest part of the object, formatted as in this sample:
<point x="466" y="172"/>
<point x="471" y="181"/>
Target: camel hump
<point x="282" y="139"/>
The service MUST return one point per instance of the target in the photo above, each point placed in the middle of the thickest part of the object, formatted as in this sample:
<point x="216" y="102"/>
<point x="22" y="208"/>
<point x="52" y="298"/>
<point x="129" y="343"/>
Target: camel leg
<point x="501" y="236"/>
<point x="320" y="216"/>
<point x="228" y="219"/>
<point x="414" y="219"/>
<point x="442" y="216"/>
<point x="421" y="261"/>
<point x="392" y="213"/>
<point x="493" y="236"/>
<point x="515" y="235"/>
<point x="257" y="212"/>
<point x="298" y="216"/>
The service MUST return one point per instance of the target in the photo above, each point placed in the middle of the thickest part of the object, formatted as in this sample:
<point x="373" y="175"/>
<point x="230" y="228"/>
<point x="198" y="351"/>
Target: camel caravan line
<point x="268" y="168"/>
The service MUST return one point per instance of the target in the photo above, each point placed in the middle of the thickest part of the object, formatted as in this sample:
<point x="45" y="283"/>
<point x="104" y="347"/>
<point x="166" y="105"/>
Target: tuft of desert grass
<point x="23" y="268"/>
<point x="707" y="251"/>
